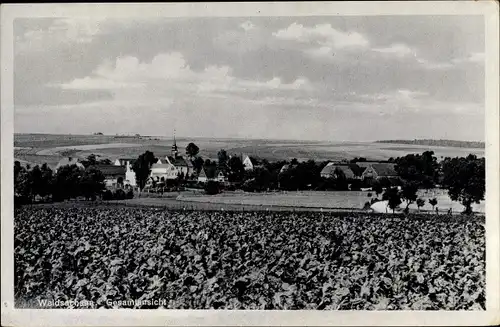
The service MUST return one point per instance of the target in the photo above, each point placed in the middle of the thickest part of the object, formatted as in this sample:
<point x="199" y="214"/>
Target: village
<point x="414" y="181"/>
<point x="172" y="168"/>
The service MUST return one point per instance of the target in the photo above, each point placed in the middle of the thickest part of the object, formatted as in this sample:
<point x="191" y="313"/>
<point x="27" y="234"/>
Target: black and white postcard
<point x="293" y="163"/>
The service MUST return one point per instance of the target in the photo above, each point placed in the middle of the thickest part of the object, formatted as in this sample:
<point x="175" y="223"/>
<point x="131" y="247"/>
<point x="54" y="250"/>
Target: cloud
<point x="247" y="25"/>
<point x="427" y="64"/>
<point x="475" y="57"/>
<point x="169" y="75"/>
<point x="322" y="34"/>
<point x="61" y="31"/>
<point x="88" y="83"/>
<point x="397" y="49"/>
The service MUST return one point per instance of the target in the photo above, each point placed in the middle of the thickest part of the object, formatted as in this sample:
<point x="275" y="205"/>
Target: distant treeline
<point x="429" y="142"/>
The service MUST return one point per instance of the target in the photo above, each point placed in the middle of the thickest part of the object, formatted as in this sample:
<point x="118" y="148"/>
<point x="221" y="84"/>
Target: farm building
<point x="286" y="167"/>
<point x="211" y="174"/>
<point x="165" y="171"/>
<point x="249" y="163"/>
<point x="183" y="166"/>
<point x="129" y="173"/>
<point x="350" y="170"/>
<point x="68" y="162"/>
<point x="125" y="161"/>
<point x="379" y="170"/>
<point x="114" y="176"/>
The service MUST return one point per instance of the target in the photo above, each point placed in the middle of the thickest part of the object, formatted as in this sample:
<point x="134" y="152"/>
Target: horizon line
<point x="248" y="138"/>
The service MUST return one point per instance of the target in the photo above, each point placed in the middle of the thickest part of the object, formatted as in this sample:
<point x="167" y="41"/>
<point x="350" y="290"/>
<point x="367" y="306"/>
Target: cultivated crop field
<point x="248" y="260"/>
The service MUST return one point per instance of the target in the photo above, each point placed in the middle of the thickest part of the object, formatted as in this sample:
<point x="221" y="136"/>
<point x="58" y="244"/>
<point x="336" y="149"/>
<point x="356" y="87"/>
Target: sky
<point x="332" y="78"/>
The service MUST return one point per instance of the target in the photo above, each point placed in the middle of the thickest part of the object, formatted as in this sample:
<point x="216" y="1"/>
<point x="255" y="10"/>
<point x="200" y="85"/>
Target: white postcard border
<point x="75" y="317"/>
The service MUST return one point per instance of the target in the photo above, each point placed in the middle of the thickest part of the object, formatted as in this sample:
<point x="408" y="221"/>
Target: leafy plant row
<point x="247" y="260"/>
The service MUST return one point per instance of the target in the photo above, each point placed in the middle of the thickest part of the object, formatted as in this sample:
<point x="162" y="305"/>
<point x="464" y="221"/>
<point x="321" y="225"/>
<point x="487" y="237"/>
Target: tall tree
<point x="47" y="177"/>
<point x="192" y="150"/>
<point x="422" y="169"/>
<point x="420" y="203"/>
<point x="433" y="202"/>
<point x="93" y="160"/>
<point x="67" y="182"/>
<point x="91" y="183"/>
<point x="236" y="170"/>
<point x="222" y="159"/>
<point x="198" y="164"/>
<point x="409" y="193"/>
<point x="377" y="188"/>
<point x="465" y="180"/>
<point x="142" y="167"/>
<point x="392" y="196"/>
<point x="22" y="185"/>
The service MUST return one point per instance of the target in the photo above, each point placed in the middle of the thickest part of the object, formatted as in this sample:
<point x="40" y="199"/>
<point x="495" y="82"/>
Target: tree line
<point x="431" y="142"/>
<point x="463" y="177"/>
<point x="68" y="182"/>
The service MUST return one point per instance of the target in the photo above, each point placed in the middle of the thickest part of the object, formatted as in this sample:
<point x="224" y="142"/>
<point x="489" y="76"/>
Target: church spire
<point x="174" y="148"/>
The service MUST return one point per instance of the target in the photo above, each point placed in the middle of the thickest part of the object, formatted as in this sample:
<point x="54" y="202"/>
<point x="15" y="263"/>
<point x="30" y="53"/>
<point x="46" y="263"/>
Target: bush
<point x="385" y="182"/>
<point x="119" y="195"/>
<point x="367" y="206"/>
<point x="212" y="187"/>
<point x="107" y="195"/>
<point x="130" y="194"/>
<point x="355" y="185"/>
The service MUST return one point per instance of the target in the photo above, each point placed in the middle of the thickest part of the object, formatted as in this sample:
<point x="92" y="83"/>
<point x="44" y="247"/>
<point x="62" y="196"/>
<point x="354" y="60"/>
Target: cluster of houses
<point x="171" y="166"/>
<point x="360" y="170"/>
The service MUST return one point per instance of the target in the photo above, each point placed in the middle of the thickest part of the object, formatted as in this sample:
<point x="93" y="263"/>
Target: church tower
<point x="175" y="151"/>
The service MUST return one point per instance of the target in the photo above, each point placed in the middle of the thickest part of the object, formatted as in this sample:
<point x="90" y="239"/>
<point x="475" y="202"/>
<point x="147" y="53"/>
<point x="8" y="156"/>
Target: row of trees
<point x="462" y="177"/>
<point x="70" y="181"/>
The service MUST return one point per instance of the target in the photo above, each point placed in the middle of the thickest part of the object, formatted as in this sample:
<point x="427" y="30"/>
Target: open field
<point x="246" y="260"/>
<point x="337" y="201"/>
<point x="314" y="199"/>
<point x="40" y="148"/>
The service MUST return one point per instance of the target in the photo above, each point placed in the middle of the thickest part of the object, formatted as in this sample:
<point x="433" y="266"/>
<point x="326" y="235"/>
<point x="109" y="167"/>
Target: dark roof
<point x="358" y="171"/>
<point x="385" y="169"/>
<point x="157" y="165"/>
<point x="364" y="164"/>
<point x="345" y="168"/>
<point x="111" y="170"/>
<point x="180" y="161"/>
<point x="253" y="160"/>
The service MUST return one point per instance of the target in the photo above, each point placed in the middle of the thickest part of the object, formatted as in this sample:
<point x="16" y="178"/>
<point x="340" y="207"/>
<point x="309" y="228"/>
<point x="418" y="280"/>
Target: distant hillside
<point x="447" y="143"/>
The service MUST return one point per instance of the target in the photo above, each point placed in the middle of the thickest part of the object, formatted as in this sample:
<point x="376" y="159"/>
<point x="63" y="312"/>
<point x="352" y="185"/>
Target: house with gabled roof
<point x="249" y="163"/>
<point x="379" y="170"/>
<point x="124" y="161"/>
<point x="114" y="176"/>
<point x="211" y="173"/>
<point x="129" y="172"/>
<point x="350" y="171"/>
